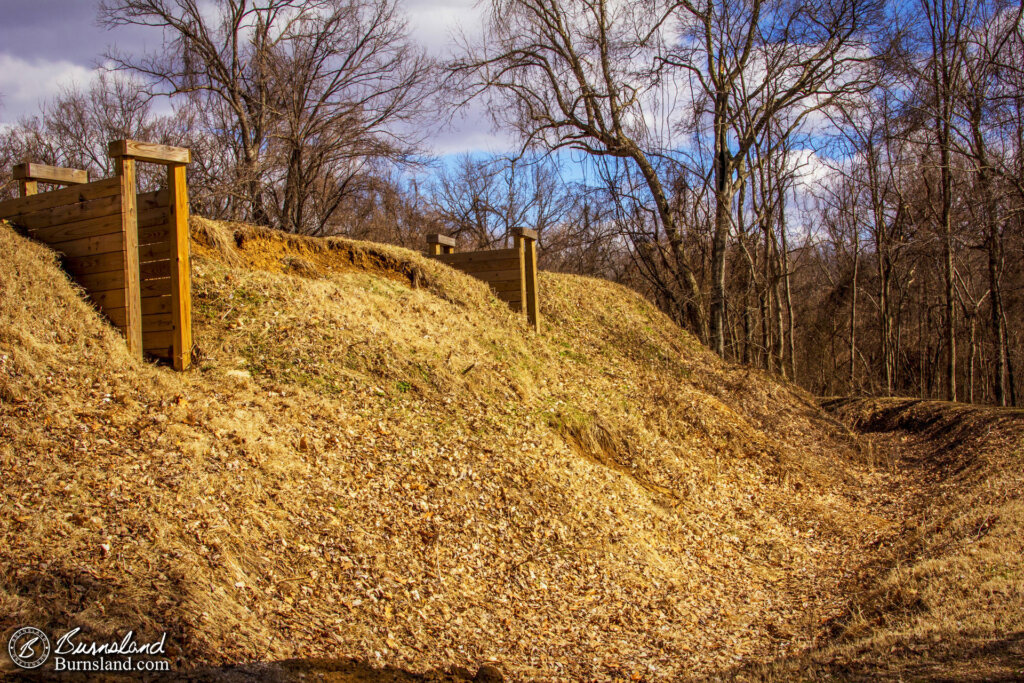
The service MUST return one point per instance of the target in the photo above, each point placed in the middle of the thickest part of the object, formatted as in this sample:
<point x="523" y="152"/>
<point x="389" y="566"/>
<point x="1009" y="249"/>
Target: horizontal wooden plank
<point x="153" y="252"/>
<point x="151" y="270"/>
<point x="156" y="304"/>
<point x="474" y="256"/>
<point x="96" y="263"/>
<point x="149" y="152"/>
<point x="108" y="300"/>
<point x="507" y="285"/>
<point x="437" y="238"/>
<point x="91" y="227"/>
<point x="101" y="282"/>
<point x="151" y="306"/>
<point x="156" y="198"/>
<point x="482" y="266"/>
<point x="157" y="322"/>
<point x="67" y="213"/>
<point x="50" y="174"/>
<point x="497" y="275"/>
<point x="148" y="201"/>
<point x="158" y="343"/>
<point x="100" y="244"/>
<point x="157" y="234"/>
<point x="114" y="298"/>
<point x="68" y="195"/>
<point x="151" y="322"/>
<point x="104" y="282"/>
<point x="509" y="296"/>
<point x="151" y="218"/>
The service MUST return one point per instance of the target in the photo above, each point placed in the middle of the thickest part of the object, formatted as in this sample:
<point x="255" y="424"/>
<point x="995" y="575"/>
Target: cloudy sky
<point x="49" y="44"/>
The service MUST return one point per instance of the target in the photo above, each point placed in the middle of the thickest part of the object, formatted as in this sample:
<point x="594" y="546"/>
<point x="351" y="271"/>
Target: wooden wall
<point x="511" y="273"/>
<point x="502" y="269"/>
<point x="155" y="273"/>
<point x="83" y="224"/>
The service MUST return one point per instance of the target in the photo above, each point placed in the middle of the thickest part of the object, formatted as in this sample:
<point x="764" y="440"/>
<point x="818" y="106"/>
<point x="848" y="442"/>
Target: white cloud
<point x="25" y="84"/>
<point x="434" y="24"/>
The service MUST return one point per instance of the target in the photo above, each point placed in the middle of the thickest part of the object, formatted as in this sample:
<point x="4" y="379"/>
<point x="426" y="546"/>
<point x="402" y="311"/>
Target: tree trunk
<point x="724" y="191"/>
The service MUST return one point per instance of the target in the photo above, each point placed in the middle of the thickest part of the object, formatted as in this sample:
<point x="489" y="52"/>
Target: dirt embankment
<point x="373" y="458"/>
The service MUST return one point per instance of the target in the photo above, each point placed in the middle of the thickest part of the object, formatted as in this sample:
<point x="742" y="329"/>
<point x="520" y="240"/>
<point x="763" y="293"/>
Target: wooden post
<point x="181" y="275"/>
<point x="27" y="187"/>
<point x="125" y="167"/>
<point x="526" y="243"/>
<point x="440" y="244"/>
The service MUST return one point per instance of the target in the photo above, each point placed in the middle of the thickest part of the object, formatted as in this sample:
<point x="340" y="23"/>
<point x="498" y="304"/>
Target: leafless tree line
<point x="830" y="190"/>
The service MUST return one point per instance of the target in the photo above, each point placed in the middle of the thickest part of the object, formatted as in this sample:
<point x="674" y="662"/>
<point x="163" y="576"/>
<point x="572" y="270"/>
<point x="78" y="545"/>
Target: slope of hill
<point x="374" y="458"/>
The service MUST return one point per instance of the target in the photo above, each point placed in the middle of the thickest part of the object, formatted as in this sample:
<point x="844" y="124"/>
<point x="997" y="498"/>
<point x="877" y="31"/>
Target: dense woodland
<point x="831" y="190"/>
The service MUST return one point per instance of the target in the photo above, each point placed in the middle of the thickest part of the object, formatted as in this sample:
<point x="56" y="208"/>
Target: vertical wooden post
<point x="519" y="246"/>
<point x="526" y="243"/>
<point x="125" y="167"/>
<point x="438" y="244"/>
<point x="181" y="275"/>
<point x="28" y="187"/>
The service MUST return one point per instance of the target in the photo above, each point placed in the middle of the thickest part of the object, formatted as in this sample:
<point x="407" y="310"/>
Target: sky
<point x="46" y="45"/>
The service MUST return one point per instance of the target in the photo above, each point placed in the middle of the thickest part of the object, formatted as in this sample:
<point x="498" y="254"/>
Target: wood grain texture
<point x="130" y="293"/>
<point x="181" y="276"/>
<point x="50" y="174"/>
<point x="444" y="240"/>
<point x="492" y="265"/>
<point x="495" y="275"/>
<point x="87" y="246"/>
<point x="528" y="238"/>
<point x="27" y="188"/>
<point x="76" y="230"/>
<point x="466" y="257"/>
<point x="43" y="201"/>
<point x="149" y="152"/>
<point x="158" y="343"/>
<point x="98" y="263"/>
<point x="159" y="321"/>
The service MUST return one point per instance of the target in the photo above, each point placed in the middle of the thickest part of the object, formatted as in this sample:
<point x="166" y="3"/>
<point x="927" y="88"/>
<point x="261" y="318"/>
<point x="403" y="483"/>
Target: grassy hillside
<point x="374" y="458"/>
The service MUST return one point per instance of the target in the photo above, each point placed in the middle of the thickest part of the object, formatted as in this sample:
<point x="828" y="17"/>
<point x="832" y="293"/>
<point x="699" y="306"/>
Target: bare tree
<point x="303" y="94"/>
<point x="576" y="74"/>
<point x="755" y="64"/>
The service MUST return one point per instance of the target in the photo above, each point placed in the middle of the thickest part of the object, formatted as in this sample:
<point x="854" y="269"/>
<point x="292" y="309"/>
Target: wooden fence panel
<point x="511" y="273"/>
<point x="83" y="224"/>
<point x="129" y="251"/>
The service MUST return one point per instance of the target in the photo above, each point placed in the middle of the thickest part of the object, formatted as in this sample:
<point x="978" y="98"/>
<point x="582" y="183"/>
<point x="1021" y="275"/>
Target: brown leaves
<point x="360" y="467"/>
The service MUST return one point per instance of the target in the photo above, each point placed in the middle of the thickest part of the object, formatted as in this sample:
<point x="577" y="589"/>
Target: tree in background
<point x="302" y="96"/>
<point x="577" y="75"/>
<point x="74" y="128"/>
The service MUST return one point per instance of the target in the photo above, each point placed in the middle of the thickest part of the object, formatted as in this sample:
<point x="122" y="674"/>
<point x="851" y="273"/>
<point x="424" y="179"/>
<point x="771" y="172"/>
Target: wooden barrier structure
<point x="511" y="273"/>
<point x="129" y="251"/>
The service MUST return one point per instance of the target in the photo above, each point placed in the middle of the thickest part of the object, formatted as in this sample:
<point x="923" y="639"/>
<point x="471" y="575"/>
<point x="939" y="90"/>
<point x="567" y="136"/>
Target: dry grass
<point x="375" y="458"/>
<point x="949" y="603"/>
